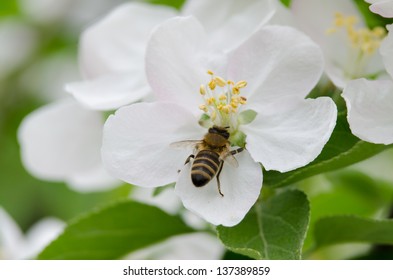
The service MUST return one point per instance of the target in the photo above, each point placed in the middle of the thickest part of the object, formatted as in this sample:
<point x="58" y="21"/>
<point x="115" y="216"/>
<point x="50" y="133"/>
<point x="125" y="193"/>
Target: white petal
<point x="229" y="22"/>
<point x="117" y="42"/>
<point x="293" y="136"/>
<point x="175" y="64"/>
<point x="19" y="41"/>
<point x="194" y="246"/>
<point x="137" y="138"/>
<point x="40" y="235"/>
<point x="386" y="50"/>
<point x="370" y="107"/>
<point x="165" y="200"/>
<point x="241" y="187"/>
<point x="272" y="69"/>
<point x="110" y="91"/>
<point x="315" y="17"/>
<point x="11" y="237"/>
<point x="383" y="8"/>
<point x="61" y="140"/>
<point x="94" y="179"/>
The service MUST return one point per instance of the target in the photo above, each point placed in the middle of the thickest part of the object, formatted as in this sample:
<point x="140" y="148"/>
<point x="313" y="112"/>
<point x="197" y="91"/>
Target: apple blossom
<point x="349" y="47"/>
<point x="61" y="142"/>
<point x="370" y="103"/>
<point x="15" y="245"/>
<point x="193" y="246"/>
<point x="257" y="90"/>
<point x="382" y="7"/>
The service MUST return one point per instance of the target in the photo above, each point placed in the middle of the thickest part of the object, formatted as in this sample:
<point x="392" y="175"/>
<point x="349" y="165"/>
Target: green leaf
<point x="352" y="229"/>
<point x="342" y="149"/>
<point x="344" y="192"/>
<point x="273" y="229"/>
<point x="112" y="232"/>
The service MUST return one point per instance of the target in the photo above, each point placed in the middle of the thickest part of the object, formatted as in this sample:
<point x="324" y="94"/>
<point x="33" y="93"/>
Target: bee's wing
<point x="230" y="159"/>
<point x="186" y="144"/>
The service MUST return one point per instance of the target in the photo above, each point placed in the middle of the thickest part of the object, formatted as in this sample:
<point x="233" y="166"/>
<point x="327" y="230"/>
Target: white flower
<point x="193" y="246"/>
<point x="370" y="107"/>
<point x="73" y="15"/>
<point x="349" y="47"/>
<point x="288" y="131"/>
<point x="61" y="142"/>
<point x="111" y="52"/>
<point x="382" y="7"/>
<point x="370" y="103"/>
<point x="15" y="245"/>
<point x="18" y="43"/>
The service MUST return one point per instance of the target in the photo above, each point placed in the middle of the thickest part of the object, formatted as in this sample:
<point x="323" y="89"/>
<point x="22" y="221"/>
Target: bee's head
<point x="223" y="131"/>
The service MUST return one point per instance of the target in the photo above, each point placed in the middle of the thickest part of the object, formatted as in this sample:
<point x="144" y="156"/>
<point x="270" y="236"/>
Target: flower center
<point x="363" y="39"/>
<point x="362" y="42"/>
<point x="222" y="100"/>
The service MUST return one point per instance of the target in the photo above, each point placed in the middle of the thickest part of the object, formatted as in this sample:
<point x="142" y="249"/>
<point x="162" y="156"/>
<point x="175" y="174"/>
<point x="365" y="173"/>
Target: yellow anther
<point x="203" y="107"/>
<point x="210" y="101"/>
<point x="331" y="30"/>
<point x="351" y="20"/>
<point x="379" y="31"/>
<point x="230" y="82"/>
<point x="243" y="100"/>
<point x="339" y="20"/>
<point x="226" y="109"/>
<point x="213" y="116"/>
<point x="234" y="104"/>
<point x="236" y="90"/>
<point x="202" y="90"/>
<point x="210" y="72"/>
<point x="220" y="81"/>
<point x="212" y="84"/>
<point x="241" y="84"/>
<point x="222" y="97"/>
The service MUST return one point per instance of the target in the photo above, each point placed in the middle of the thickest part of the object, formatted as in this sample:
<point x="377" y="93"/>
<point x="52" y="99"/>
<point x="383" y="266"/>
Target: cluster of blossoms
<point x="240" y="67"/>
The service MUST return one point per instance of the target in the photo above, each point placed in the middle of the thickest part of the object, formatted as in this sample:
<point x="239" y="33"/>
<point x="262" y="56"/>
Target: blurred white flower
<point x="15" y="245"/>
<point x="193" y="246"/>
<point x="46" y="77"/>
<point x="370" y="103"/>
<point x="287" y="132"/>
<point x="61" y="142"/>
<point x="18" y="43"/>
<point x="111" y="52"/>
<point x="71" y="14"/>
<point x="349" y="47"/>
<point x="382" y="7"/>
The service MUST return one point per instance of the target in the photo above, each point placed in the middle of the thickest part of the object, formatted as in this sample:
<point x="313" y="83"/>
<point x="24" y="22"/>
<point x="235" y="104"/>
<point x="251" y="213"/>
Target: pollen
<point x="365" y="40"/>
<point x="222" y="99"/>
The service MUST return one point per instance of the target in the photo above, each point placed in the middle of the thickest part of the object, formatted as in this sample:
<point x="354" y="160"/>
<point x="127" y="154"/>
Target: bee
<point x="209" y="156"/>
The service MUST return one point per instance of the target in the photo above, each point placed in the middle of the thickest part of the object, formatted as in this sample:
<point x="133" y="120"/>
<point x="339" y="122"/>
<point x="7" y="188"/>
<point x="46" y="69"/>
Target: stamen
<point x="220" y="81"/>
<point x="241" y="84"/>
<point x="202" y="90"/>
<point x="366" y="40"/>
<point x="221" y="105"/>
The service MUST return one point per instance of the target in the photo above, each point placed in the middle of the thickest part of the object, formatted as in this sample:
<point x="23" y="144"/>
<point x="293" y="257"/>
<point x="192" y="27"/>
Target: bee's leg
<point x="189" y="158"/>
<point x="218" y="178"/>
<point x="187" y="161"/>
<point x="238" y="150"/>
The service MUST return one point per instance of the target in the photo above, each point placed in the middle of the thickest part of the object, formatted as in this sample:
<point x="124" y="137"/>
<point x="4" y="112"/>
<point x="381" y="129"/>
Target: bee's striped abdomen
<point x="204" y="167"/>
